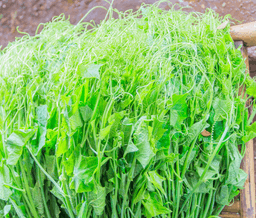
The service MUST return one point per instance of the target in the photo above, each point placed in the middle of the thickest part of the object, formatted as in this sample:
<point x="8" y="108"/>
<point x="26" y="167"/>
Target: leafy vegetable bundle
<point x="106" y="120"/>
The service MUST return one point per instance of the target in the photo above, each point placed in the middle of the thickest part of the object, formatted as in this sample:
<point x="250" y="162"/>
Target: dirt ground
<point x="27" y="14"/>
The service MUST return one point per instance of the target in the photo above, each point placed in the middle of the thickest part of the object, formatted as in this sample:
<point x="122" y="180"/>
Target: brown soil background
<point x="27" y="14"/>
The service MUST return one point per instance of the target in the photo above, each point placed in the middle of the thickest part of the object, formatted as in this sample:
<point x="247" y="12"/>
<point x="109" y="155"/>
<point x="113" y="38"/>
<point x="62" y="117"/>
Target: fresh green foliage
<point x="106" y="120"/>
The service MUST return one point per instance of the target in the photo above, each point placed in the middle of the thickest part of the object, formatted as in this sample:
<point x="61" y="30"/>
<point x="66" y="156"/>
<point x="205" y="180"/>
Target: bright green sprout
<point x="105" y="120"/>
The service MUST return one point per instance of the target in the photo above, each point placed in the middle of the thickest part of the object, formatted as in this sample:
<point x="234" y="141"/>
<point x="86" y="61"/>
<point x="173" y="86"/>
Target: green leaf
<point x="69" y="164"/>
<point x="171" y="158"/>
<point x="154" y="207"/>
<point x="130" y="148"/>
<point x="139" y="194"/>
<point x="97" y="199"/>
<point x="205" y="99"/>
<point x="15" y="143"/>
<point x="251" y="90"/>
<point x="37" y="198"/>
<point x="190" y="158"/>
<point x="158" y="130"/>
<point x="7" y="209"/>
<point x="191" y="179"/>
<point x="86" y="113"/>
<point x="210" y="174"/>
<point x="83" y="174"/>
<point x="156" y="180"/>
<point x="178" y="111"/>
<point x="222" y="196"/>
<point x="141" y="141"/>
<point x="105" y="131"/>
<point x="91" y="71"/>
<point x="5" y="192"/>
<point x="51" y="138"/>
<point x="50" y="162"/>
<point x="53" y="207"/>
<point x="216" y="163"/>
<point x="81" y="208"/>
<point x="53" y="117"/>
<point x="123" y="183"/>
<point x="20" y="137"/>
<point x="195" y="130"/>
<point x="250" y="133"/>
<point x="115" y="120"/>
<point x="233" y="171"/>
<point x="56" y="192"/>
<point x="222" y="108"/>
<point x="127" y="128"/>
<point x="75" y="121"/>
<point x="14" y="153"/>
<point x="42" y="117"/>
<point x="62" y="145"/>
<point x="42" y="137"/>
<point x="240" y="179"/>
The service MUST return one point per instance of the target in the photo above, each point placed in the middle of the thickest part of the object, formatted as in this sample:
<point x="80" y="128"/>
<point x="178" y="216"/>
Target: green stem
<point x="177" y="190"/>
<point x="187" y="158"/>
<point x="252" y="116"/>
<point x="201" y="180"/>
<point x="58" y="136"/>
<point x="17" y="209"/>
<point x="24" y="177"/>
<point x="39" y="177"/>
<point x="212" y="203"/>
<point x="208" y="203"/>
<point x="177" y="182"/>
<point x="89" y="212"/>
<point x="198" y="209"/>
<point x="129" y="179"/>
<point x="202" y="204"/>
<point x="193" y="208"/>
<point x="170" y="186"/>
<point x="18" y="182"/>
<point x="218" y="211"/>
<point x="114" y="200"/>
<point x="67" y="200"/>
<point x="64" y="194"/>
<point x="28" y="211"/>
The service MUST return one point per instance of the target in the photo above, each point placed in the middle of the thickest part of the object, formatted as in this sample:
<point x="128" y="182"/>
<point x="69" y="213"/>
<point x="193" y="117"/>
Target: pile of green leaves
<point x="106" y="120"/>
